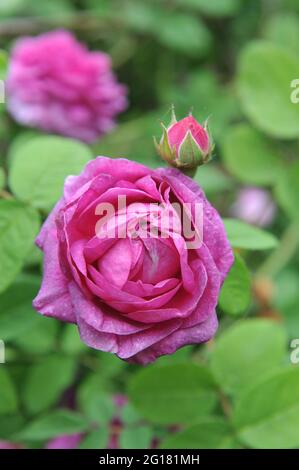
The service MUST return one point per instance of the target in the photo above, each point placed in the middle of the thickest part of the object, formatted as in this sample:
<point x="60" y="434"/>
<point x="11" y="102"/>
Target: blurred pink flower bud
<point x="66" y="441"/>
<point x="255" y="206"/>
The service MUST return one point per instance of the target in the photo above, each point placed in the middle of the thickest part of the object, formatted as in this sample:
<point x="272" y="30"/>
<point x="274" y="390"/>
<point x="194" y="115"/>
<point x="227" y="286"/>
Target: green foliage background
<point x="232" y="61"/>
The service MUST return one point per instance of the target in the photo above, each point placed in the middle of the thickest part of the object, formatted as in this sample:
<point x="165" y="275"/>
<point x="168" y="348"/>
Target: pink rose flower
<point x="55" y="84"/>
<point x="137" y="296"/>
<point x="254" y="206"/>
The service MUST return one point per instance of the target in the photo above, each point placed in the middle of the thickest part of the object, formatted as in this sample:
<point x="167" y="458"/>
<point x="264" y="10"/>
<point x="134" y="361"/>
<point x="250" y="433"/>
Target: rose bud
<point x="185" y="144"/>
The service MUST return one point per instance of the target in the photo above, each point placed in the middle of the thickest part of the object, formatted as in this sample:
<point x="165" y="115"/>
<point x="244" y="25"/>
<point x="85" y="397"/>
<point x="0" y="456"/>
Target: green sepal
<point x="190" y="154"/>
<point x="164" y="149"/>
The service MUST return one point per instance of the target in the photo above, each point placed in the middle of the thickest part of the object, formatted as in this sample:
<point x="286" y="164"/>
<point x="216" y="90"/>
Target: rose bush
<point x="55" y="84"/>
<point x="137" y="297"/>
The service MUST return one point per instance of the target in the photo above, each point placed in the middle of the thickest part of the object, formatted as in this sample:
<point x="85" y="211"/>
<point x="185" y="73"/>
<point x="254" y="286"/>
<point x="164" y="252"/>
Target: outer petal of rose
<point x="125" y="346"/>
<point x="93" y="189"/>
<point x="216" y="240"/>
<point x="209" y="298"/>
<point x="49" y="224"/>
<point x="106" y="342"/>
<point x="119" y="169"/>
<point x="131" y="345"/>
<point x="101" y="318"/>
<point x="53" y="299"/>
<point x="213" y="229"/>
<point x="118" y="342"/>
<point x="181" y="337"/>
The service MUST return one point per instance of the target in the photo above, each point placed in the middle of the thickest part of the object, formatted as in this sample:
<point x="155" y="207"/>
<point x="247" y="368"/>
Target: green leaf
<point x="8" y="396"/>
<point x="236" y="292"/>
<point x="140" y="16"/>
<point x="41" y="338"/>
<point x="11" y="7"/>
<point x="71" y="342"/>
<point x="97" y="439"/>
<point x="265" y="74"/>
<point x="287" y="193"/>
<point x="51" y="425"/>
<point x="40" y="166"/>
<point x="283" y="29"/>
<point x="18" y="227"/>
<point x="94" y="402"/>
<point x="208" y="433"/>
<point x="242" y="235"/>
<point x="46" y="381"/>
<point x="138" y="437"/>
<point x="3" y="65"/>
<point x="212" y="7"/>
<point x="267" y="415"/>
<point x="193" y="39"/>
<point x="181" y="355"/>
<point x="286" y="299"/>
<point x="19" y="140"/>
<point x="2" y="178"/>
<point x="250" y="157"/>
<point x="129" y="415"/>
<point x="212" y="179"/>
<point x="53" y="8"/>
<point x="291" y="4"/>
<point x="157" y="391"/>
<point x="109" y="365"/>
<point x="245" y="352"/>
<point x="16" y="313"/>
<point x="10" y="424"/>
<point x="133" y="140"/>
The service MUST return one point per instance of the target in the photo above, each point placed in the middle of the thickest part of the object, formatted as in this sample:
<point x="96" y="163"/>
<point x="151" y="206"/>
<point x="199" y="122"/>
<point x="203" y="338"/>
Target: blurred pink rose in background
<point x="65" y="442"/>
<point x="55" y="84"/>
<point x="9" y="445"/>
<point x="255" y="206"/>
<point x="72" y="441"/>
